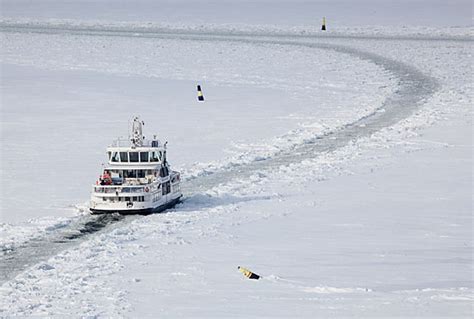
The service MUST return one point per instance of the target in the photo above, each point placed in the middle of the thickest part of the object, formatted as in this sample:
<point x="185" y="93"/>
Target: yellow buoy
<point x="247" y="273"/>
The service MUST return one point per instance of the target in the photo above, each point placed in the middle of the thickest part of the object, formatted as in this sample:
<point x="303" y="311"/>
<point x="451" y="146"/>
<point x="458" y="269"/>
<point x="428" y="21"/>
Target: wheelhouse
<point x="141" y="156"/>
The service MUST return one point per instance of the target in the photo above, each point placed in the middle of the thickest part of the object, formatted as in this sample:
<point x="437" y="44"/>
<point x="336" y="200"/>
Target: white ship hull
<point x="142" y="209"/>
<point x="137" y="199"/>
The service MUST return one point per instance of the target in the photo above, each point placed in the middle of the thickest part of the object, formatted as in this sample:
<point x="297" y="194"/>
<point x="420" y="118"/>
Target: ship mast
<point x="137" y="132"/>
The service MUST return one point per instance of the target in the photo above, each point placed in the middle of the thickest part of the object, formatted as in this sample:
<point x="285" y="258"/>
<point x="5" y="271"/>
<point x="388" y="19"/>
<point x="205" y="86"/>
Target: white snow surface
<point x="381" y="227"/>
<point x="302" y="87"/>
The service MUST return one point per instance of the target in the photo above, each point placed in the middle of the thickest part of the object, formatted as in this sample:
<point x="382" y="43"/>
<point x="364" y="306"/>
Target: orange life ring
<point x="147" y="189"/>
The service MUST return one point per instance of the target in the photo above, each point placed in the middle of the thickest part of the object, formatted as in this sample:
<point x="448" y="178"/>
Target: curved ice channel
<point x="413" y="88"/>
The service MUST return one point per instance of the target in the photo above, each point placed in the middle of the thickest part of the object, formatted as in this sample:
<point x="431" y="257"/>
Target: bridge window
<point x="143" y="156"/>
<point x="115" y="157"/>
<point x="154" y="156"/>
<point x="133" y="157"/>
<point x="123" y="156"/>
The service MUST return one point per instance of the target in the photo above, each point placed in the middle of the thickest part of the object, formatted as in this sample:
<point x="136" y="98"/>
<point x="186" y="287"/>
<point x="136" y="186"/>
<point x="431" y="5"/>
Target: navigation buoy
<point x="200" y="96"/>
<point x="323" y="27"/>
<point x="247" y="273"/>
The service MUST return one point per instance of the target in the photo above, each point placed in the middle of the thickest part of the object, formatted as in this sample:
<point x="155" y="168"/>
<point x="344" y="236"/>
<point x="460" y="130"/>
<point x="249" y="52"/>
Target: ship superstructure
<point x="137" y="178"/>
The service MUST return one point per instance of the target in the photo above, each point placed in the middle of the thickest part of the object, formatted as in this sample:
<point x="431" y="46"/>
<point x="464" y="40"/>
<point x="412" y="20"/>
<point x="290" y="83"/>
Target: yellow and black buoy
<point x="200" y="96"/>
<point x="247" y="273"/>
<point x="323" y="27"/>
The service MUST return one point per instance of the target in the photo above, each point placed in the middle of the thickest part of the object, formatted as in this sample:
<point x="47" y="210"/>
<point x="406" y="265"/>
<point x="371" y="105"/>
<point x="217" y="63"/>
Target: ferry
<point x="137" y="178"/>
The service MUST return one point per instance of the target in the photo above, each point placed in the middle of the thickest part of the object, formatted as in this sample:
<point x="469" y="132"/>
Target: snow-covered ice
<point x="378" y="225"/>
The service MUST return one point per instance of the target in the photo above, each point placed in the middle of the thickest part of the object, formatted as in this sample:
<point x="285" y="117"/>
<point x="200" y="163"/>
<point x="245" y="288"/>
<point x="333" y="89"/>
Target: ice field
<point x="336" y="165"/>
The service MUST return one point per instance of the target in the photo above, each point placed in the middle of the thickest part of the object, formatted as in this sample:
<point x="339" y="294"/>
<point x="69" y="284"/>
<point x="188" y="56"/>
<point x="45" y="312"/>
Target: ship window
<point x="109" y="154"/>
<point x="141" y="173"/>
<point x="115" y="157"/>
<point x="166" y="188"/>
<point x="164" y="171"/>
<point x="133" y="157"/>
<point x="123" y="156"/>
<point x="143" y="156"/>
<point x="154" y="157"/>
<point x="129" y="174"/>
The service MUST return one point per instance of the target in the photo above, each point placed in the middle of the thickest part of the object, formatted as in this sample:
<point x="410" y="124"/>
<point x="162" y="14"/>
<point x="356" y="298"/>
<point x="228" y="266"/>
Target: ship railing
<point x="109" y="189"/>
<point x="123" y="142"/>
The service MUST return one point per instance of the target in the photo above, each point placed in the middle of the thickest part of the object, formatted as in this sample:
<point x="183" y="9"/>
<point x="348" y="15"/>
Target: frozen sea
<point x="336" y="165"/>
